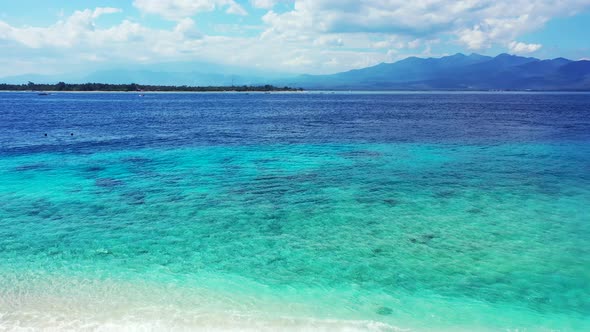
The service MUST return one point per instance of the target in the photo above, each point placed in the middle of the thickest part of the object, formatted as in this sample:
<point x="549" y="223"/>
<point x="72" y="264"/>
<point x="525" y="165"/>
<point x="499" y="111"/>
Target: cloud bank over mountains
<point x="299" y="36"/>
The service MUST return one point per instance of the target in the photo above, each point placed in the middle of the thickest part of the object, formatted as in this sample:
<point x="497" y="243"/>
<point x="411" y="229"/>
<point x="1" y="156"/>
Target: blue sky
<point x="296" y="36"/>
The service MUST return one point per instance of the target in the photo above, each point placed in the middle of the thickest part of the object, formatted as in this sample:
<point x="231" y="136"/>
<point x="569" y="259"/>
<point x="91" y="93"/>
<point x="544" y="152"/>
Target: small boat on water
<point x="43" y="94"/>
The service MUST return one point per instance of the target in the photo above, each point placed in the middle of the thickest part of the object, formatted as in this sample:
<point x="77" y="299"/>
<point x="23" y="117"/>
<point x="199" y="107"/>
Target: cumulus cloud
<point x="474" y="38"/>
<point x="236" y="9"/>
<point x="68" y="32"/>
<point x="105" y="10"/>
<point x="499" y="30"/>
<point x="263" y="4"/>
<point x="328" y="41"/>
<point x="187" y="28"/>
<point x="477" y="24"/>
<point x="314" y="36"/>
<point x="77" y="39"/>
<point x="178" y="9"/>
<point x="522" y="48"/>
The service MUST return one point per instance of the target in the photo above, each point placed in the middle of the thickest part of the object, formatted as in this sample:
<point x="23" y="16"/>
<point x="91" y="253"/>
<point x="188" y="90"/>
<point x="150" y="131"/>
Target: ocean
<point x="295" y="211"/>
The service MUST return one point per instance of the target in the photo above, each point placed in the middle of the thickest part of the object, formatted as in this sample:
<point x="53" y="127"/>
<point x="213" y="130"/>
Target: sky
<point x="287" y="36"/>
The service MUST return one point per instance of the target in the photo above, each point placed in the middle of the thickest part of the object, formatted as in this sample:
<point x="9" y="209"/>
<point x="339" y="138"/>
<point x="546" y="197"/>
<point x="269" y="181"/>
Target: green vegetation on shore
<point x="61" y="86"/>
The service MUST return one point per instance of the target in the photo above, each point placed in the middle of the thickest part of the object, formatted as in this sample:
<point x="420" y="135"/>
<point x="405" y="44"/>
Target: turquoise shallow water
<point x="373" y="211"/>
<point x="367" y="236"/>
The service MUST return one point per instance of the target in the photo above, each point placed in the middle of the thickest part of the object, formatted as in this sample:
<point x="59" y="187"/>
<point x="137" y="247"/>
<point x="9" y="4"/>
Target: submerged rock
<point x="391" y="202"/>
<point x="428" y="237"/>
<point x="361" y="154"/>
<point x="474" y="211"/>
<point x="103" y="251"/>
<point x="31" y="167"/>
<point x="423" y="239"/>
<point x="134" y="197"/>
<point x="377" y="251"/>
<point x="136" y="160"/>
<point x="384" y="311"/>
<point x="445" y="194"/>
<point x="94" y="168"/>
<point x="108" y="183"/>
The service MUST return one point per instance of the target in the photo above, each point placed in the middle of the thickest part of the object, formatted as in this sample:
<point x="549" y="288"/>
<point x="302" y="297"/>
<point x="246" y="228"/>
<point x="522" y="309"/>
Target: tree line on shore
<point x="61" y="86"/>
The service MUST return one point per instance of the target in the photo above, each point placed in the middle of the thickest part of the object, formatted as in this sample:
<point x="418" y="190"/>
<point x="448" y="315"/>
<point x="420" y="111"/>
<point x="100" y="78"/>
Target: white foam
<point x="74" y="304"/>
<point x="164" y="320"/>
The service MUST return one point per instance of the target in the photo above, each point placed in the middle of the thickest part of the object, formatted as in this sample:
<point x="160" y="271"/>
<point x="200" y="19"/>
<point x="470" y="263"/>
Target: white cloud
<point x="314" y="36"/>
<point x="236" y="9"/>
<point x="500" y="30"/>
<point x="187" y="28"/>
<point x="178" y="9"/>
<point x="104" y="10"/>
<point x="474" y="38"/>
<point x="328" y="41"/>
<point x="396" y="42"/>
<point x="298" y="61"/>
<point x="263" y="4"/>
<point x="522" y="48"/>
<point x="65" y="33"/>
<point x="414" y="43"/>
<point x="477" y="24"/>
<point x="77" y="39"/>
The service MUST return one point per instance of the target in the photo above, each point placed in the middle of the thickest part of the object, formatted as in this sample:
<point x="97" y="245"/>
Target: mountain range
<point x="454" y="72"/>
<point x="461" y="72"/>
<point x="171" y="73"/>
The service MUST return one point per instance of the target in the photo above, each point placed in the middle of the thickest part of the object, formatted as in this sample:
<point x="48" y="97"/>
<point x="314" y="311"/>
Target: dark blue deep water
<point x="124" y="120"/>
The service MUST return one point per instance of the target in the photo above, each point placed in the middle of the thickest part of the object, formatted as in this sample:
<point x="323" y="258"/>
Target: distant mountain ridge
<point x="454" y="72"/>
<point x="460" y="72"/>
<point x="191" y="73"/>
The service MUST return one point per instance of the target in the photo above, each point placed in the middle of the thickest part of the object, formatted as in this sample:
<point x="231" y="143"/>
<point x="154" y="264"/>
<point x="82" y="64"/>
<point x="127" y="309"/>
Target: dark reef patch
<point x="445" y="194"/>
<point x="134" y="197"/>
<point x="108" y="183"/>
<point x="136" y="160"/>
<point x="361" y="154"/>
<point x="384" y="311"/>
<point x="391" y="202"/>
<point x="377" y="251"/>
<point x="94" y="169"/>
<point x="423" y="239"/>
<point x="32" y="167"/>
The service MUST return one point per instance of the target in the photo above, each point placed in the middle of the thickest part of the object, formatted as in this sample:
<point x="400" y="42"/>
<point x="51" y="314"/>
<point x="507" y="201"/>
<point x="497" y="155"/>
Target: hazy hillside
<point x="455" y="72"/>
<point x="460" y="72"/>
